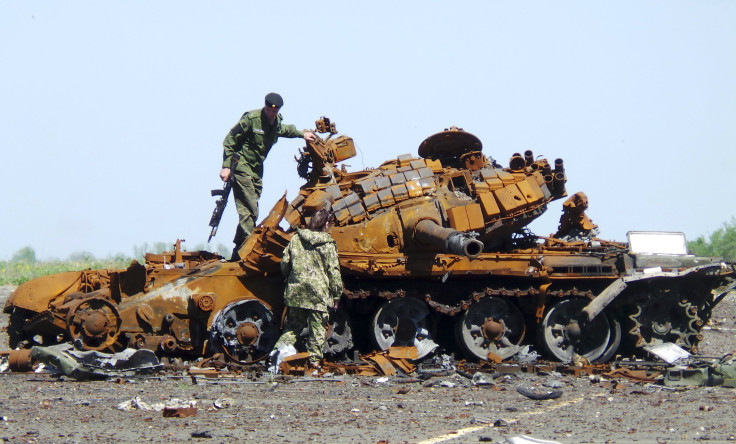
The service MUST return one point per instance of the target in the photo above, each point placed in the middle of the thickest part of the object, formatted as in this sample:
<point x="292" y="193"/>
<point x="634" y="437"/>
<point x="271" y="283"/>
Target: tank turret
<point x="452" y="198"/>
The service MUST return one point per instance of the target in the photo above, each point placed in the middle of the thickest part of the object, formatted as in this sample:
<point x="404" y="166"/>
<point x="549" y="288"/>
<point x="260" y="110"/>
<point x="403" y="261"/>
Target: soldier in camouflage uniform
<point x="252" y="137"/>
<point x="313" y="284"/>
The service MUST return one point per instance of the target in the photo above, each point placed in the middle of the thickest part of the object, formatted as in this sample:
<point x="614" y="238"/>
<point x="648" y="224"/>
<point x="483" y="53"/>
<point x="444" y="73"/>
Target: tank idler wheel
<point x="564" y="336"/>
<point x="491" y="326"/>
<point x="403" y="322"/>
<point x="245" y="330"/>
<point x="94" y="324"/>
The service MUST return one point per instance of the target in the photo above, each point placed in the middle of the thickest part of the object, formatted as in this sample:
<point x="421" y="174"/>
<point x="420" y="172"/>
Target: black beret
<point x="274" y="100"/>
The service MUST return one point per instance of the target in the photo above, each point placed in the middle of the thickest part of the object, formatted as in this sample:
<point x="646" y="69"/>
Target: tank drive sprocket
<point x="665" y="316"/>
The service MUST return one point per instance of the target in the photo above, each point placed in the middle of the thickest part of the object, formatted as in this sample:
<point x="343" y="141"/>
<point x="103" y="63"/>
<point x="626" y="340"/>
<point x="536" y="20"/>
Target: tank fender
<point x="600" y="302"/>
<point x="37" y="294"/>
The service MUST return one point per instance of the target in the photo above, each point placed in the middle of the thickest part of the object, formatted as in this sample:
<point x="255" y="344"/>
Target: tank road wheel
<point x="665" y="317"/>
<point x="491" y="326"/>
<point x="94" y="324"/>
<point x="339" y="335"/>
<point x="403" y="322"/>
<point x="246" y="330"/>
<point x="563" y="336"/>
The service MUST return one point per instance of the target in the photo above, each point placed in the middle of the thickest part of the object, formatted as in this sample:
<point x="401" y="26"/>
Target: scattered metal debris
<point x="138" y="403"/>
<point x="175" y="408"/>
<point x="396" y="363"/>
<point x="65" y="359"/>
<point x="276" y="357"/>
<point x="701" y="372"/>
<point x="537" y="395"/>
<point x="481" y="379"/>
<point x="223" y="403"/>
<point x="668" y="352"/>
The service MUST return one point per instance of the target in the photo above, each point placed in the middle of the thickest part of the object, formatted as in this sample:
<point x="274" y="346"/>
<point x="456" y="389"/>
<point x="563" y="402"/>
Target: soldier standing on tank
<point x="252" y="137"/>
<point x="313" y="284"/>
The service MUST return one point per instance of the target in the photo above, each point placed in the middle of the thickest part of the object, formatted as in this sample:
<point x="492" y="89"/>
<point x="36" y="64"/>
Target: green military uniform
<point x="313" y="285"/>
<point x="252" y="137"/>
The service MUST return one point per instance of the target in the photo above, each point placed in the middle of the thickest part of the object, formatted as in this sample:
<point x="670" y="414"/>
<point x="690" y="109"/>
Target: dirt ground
<point x="448" y="408"/>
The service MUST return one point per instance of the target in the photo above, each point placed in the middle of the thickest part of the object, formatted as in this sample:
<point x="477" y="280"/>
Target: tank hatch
<point x="449" y="144"/>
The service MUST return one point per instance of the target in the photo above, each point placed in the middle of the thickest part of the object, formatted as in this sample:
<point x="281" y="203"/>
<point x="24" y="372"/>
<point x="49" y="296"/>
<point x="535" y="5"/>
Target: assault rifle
<point x="224" y="194"/>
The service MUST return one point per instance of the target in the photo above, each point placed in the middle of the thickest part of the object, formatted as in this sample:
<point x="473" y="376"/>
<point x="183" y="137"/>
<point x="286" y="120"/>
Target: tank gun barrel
<point x="449" y="240"/>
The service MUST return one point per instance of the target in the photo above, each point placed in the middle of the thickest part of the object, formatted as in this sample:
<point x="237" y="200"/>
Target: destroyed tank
<point x="178" y="304"/>
<point x="435" y="254"/>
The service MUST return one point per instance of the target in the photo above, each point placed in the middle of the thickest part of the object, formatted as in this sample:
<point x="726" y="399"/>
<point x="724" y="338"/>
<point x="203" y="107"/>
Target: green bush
<point x="17" y="272"/>
<point x="25" y="254"/>
<point x="722" y="242"/>
<point x="23" y="266"/>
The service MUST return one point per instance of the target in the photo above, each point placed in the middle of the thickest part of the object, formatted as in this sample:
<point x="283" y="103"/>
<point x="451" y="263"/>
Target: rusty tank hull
<point x="435" y="254"/>
<point x="186" y="304"/>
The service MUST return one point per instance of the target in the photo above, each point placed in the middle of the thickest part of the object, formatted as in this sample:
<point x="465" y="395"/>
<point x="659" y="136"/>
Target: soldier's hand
<point x="309" y="136"/>
<point x="225" y="174"/>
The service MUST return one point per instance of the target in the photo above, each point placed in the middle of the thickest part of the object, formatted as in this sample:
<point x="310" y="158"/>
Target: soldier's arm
<point x="231" y="144"/>
<point x="286" y="261"/>
<point x="234" y="139"/>
<point x="291" y="132"/>
<point x="333" y="272"/>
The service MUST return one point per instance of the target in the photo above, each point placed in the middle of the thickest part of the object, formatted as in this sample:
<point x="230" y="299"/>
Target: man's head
<point x="318" y="212"/>
<point x="320" y="220"/>
<point x="274" y="102"/>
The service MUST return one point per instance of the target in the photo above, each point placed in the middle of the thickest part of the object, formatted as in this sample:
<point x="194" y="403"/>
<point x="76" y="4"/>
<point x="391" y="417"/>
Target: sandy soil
<point x="449" y="408"/>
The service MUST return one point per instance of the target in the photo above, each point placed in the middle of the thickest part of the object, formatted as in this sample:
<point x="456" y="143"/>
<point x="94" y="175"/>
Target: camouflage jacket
<point x="312" y="271"/>
<point x="252" y="137"/>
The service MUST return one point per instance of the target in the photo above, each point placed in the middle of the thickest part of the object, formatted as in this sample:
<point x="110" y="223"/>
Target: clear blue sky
<point x="112" y="114"/>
